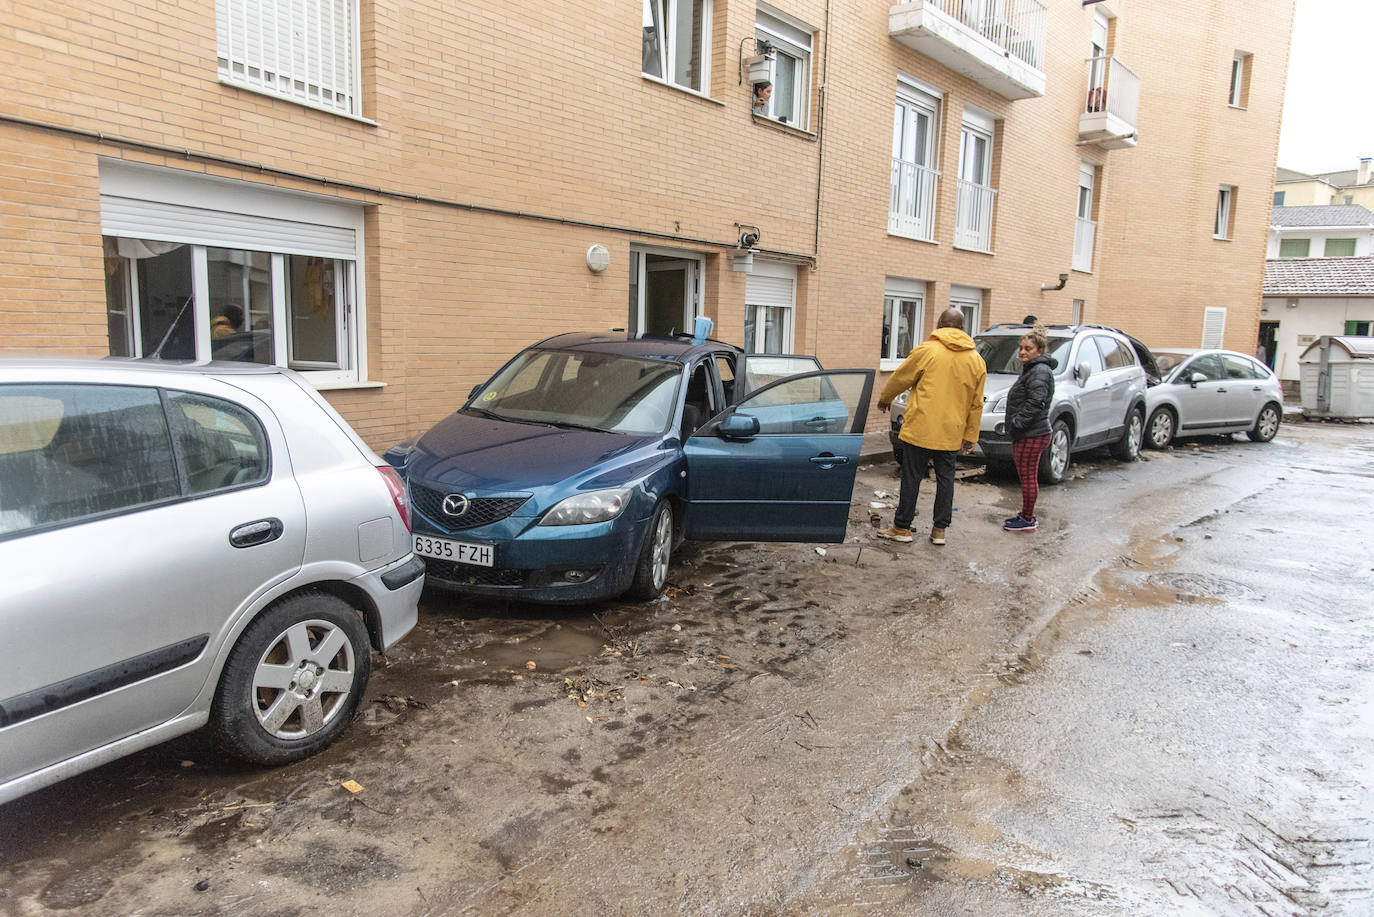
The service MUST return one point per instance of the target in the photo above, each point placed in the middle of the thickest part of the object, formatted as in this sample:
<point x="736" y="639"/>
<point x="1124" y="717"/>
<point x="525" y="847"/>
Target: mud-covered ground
<point x="1163" y="702"/>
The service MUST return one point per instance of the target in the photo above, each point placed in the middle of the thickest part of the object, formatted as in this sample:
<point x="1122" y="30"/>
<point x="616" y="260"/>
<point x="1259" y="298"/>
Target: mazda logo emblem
<point x="455" y="504"/>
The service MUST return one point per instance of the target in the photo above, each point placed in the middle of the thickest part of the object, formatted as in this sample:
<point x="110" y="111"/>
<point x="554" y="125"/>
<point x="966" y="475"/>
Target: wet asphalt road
<point x="1161" y="703"/>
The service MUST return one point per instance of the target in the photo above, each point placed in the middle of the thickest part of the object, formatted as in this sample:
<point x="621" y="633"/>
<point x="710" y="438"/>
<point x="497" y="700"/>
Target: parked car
<point x="576" y="469"/>
<point x="1099" y="394"/>
<point x="186" y="545"/>
<point x="1212" y="391"/>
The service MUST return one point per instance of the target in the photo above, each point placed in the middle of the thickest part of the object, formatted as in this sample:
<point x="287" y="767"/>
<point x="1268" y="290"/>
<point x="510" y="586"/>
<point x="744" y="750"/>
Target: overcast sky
<point x="1328" y="111"/>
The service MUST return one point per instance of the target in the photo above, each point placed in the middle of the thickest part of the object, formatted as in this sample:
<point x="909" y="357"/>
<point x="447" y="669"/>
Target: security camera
<point x="748" y="240"/>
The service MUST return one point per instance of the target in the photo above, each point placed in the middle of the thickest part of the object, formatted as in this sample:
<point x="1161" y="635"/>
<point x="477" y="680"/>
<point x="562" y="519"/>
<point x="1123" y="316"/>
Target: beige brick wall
<point x="543" y="110"/>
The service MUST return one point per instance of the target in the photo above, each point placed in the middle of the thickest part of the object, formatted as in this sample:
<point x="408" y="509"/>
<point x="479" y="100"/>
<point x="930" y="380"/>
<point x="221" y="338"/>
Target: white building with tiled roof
<point x="1330" y="231"/>
<point x="1305" y="298"/>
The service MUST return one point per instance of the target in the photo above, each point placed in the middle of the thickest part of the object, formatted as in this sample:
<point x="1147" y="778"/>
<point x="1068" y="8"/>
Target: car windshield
<point x="594" y="391"/>
<point x="1167" y="361"/>
<point x="1001" y="351"/>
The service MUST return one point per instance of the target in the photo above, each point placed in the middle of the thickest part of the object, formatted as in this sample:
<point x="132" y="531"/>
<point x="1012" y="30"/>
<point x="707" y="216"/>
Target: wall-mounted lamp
<point x="1063" y="282"/>
<point x="749" y="236"/>
<point x="598" y="258"/>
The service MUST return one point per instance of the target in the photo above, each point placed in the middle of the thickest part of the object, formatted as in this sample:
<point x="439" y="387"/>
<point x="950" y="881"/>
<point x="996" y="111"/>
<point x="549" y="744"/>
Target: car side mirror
<point x="1195" y="378"/>
<point x="739" y="426"/>
<point x="1081" y="372"/>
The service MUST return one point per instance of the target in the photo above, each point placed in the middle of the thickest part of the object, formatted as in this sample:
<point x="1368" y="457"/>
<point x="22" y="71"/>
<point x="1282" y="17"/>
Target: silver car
<point x="185" y="545"/>
<point x="1211" y="391"/>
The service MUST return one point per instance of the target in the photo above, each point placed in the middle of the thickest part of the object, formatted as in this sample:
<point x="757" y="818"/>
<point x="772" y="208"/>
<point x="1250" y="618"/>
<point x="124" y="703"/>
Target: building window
<point x="769" y="304"/>
<point x="1226" y="198"/>
<point x="247" y="274"/>
<point x="1213" y="327"/>
<point x="1358" y="329"/>
<point x="305" y="51"/>
<point x="1239" y="96"/>
<point x="968" y="300"/>
<point x="790" y="68"/>
<point x="1076" y="317"/>
<point x="973" y="216"/>
<point x="1339" y="248"/>
<point x="1278" y="198"/>
<point x="677" y="45"/>
<point x="911" y="209"/>
<point x="1294" y="248"/>
<point x="903" y="318"/>
<point x="1085" y="228"/>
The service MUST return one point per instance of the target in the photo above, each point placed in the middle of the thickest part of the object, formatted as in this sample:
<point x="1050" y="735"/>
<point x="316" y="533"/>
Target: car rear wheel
<point x="1054" y="463"/>
<point x="651" y="573"/>
<point x="1159" y="432"/>
<point x="1127" y="448"/>
<point x="1267" y="424"/>
<point x="293" y="680"/>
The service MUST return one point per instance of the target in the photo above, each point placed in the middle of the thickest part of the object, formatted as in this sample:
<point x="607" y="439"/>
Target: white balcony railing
<point x="973" y="218"/>
<point x="1015" y="26"/>
<point x="1113" y="88"/>
<point x="1084" y="232"/>
<point x="911" y="211"/>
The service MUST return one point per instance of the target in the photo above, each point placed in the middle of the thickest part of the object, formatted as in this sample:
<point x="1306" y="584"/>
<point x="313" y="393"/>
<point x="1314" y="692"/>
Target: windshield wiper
<point x="567" y="425"/>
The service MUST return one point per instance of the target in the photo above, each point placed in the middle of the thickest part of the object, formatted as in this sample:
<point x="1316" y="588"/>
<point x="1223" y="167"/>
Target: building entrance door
<point x="665" y="293"/>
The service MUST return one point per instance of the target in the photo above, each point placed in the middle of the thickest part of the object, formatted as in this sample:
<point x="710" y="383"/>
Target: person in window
<point x="228" y="322"/>
<point x="762" y="93"/>
<point x="1029" y="320"/>
<point x="1028" y="422"/>
<point x="944" y="407"/>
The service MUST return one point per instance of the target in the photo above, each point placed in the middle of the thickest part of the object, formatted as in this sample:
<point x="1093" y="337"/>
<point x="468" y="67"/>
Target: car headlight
<point x="1000" y="406"/>
<point x="584" y="509"/>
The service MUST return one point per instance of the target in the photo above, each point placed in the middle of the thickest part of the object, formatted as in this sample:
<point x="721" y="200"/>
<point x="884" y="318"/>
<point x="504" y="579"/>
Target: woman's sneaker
<point x="1020" y="525"/>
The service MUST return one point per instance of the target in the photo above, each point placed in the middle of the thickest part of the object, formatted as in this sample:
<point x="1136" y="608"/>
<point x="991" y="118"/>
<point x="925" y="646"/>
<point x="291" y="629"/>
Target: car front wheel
<point x="1054" y="463"/>
<point x="651" y="573"/>
<point x="1266" y="425"/>
<point x="1159" y="432"/>
<point x="1127" y="448"/>
<point x="293" y="680"/>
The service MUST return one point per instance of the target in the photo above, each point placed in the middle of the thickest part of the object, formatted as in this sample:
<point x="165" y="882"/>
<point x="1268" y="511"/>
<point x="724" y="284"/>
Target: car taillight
<point x="398" y="492"/>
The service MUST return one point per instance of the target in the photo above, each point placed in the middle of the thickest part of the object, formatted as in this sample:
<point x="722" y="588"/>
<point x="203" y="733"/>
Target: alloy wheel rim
<point x="1136" y="432"/>
<point x="1059" y="452"/>
<point x="662" y="540"/>
<point x="303" y="679"/>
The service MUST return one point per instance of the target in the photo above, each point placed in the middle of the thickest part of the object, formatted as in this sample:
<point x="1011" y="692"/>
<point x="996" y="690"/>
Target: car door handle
<point x="817" y="423"/>
<point x="829" y="460"/>
<point x="1221" y="390"/>
<point x="255" y="533"/>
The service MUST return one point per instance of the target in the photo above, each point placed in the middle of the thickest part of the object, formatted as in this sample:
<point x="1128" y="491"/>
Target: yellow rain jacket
<point x="945" y="376"/>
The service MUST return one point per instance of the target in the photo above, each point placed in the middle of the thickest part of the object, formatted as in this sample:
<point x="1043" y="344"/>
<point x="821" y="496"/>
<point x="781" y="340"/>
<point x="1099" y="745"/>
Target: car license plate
<point x="460" y="552"/>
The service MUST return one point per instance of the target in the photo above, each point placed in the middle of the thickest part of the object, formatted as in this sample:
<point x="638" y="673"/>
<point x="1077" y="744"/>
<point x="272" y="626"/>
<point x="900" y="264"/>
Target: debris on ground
<point x="352" y="786"/>
<point x="585" y="690"/>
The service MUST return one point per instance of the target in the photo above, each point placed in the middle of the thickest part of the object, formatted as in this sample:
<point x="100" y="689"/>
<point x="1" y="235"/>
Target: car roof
<point x="644" y="346"/>
<point x="10" y="365"/>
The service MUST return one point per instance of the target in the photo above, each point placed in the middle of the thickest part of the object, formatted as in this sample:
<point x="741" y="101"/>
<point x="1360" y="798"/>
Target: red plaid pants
<point x="1026" y="454"/>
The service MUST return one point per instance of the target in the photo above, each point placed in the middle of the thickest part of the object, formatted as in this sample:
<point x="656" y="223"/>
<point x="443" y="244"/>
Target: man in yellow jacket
<point x="945" y="378"/>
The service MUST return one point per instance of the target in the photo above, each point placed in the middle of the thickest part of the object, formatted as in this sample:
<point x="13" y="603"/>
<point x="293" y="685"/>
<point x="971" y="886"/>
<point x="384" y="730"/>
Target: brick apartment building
<point x="396" y="195"/>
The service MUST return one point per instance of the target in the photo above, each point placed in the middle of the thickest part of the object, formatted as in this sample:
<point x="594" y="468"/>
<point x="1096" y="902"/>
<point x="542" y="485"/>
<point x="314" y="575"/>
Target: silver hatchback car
<point x="185" y="545"/>
<point x="1212" y="391"/>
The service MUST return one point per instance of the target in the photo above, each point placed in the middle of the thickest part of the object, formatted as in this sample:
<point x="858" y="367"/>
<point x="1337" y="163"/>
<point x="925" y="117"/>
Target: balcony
<point x="973" y="217"/>
<point x="911" y="211"/>
<point x="999" y="44"/>
<point x="1109" y="117"/>
<point x="1084" y="234"/>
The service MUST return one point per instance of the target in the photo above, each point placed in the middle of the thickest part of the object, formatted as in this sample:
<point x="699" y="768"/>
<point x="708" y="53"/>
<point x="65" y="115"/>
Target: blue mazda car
<point x="573" y="473"/>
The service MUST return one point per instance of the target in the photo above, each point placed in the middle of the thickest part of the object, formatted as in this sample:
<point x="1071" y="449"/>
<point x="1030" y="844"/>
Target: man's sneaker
<point x="937" y="535"/>
<point x="1020" y="525"/>
<point x="895" y="533"/>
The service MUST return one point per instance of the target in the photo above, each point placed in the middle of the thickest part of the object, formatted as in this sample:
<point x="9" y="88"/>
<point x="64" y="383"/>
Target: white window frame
<point x="668" y="12"/>
<point x="1221" y="229"/>
<point x="1085" y="228"/>
<point x="1213" y="327"/>
<point x="914" y="168"/>
<point x="777" y="271"/>
<point x="1240" y="69"/>
<point x="976" y="196"/>
<point x="900" y="289"/>
<point x="168" y="205"/>
<point x="969" y="300"/>
<point x="792" y="39"/>
<point x="316" y="43"/>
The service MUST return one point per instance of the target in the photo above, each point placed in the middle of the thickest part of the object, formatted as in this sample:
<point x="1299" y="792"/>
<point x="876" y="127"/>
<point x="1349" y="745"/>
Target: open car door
<point x="780" y="465"/>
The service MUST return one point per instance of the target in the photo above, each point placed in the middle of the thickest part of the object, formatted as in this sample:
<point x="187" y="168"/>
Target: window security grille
<point x="303" y="50"/>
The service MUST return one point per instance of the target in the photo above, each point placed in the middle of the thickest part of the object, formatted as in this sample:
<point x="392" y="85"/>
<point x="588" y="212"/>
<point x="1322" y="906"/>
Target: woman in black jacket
<point x="1028" y="422"/>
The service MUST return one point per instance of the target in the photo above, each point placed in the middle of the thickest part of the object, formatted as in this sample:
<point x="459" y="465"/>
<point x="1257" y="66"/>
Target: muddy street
<point x="1163" y="702"/>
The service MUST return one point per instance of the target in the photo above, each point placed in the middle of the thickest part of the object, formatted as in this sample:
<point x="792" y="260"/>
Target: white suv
<point x="186" y="545"/>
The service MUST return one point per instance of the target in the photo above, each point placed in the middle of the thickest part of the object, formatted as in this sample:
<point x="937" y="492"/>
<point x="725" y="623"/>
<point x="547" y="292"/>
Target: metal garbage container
<point x="1337" y="374"/>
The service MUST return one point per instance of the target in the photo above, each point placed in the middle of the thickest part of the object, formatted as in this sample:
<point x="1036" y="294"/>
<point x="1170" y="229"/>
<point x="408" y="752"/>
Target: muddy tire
<point x="293" y="680"/>
<point x="1159" y="431"/>
<point x="651" y="572"/>
<point x="1054" y="461"/>
<point x="1127" y="448"/>
<point x="1267" y="424"/>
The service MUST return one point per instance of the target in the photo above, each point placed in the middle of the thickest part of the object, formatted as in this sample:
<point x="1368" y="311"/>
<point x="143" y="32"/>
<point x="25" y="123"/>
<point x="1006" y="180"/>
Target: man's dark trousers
<point x="915" y="461"/>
